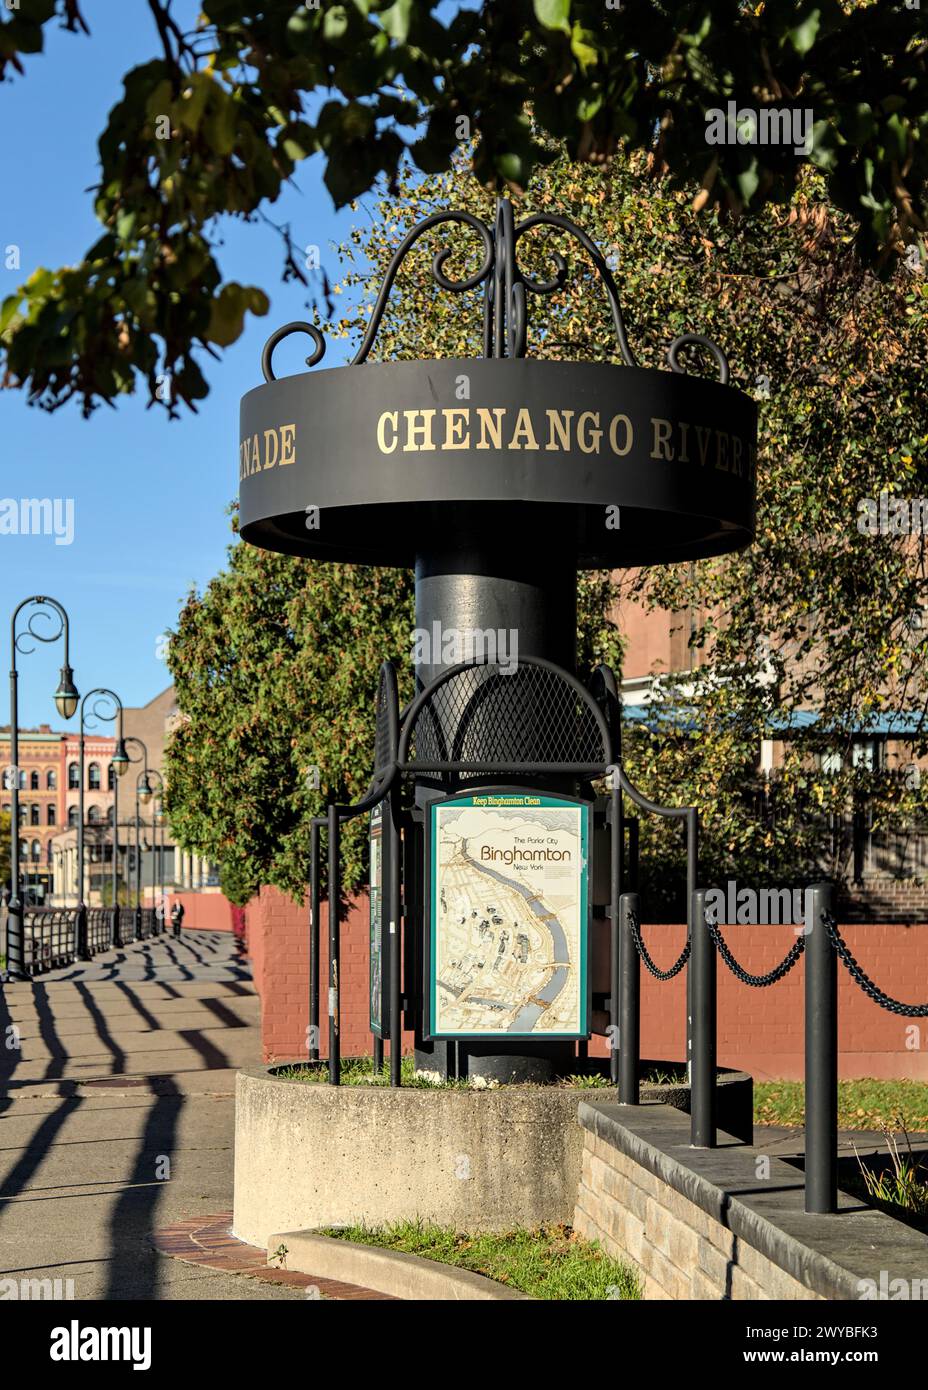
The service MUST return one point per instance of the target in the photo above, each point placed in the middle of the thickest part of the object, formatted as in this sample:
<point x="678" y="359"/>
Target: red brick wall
<point x="278" y="946"/>
<point x="204" y="911"/>
<point x="760" y="1030"/>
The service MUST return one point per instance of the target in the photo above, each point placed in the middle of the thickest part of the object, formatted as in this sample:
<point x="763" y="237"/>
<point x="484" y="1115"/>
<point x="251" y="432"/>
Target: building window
<point x="24" y="849"/>
<point x="51" y="815"/>
<point x="36" y="850"/>
<point x="22" y="781"/>
<point x="51" y="780"/>
<point x="23" y="814"/>
<point x="34" y="815"/>
<point x="48" y="853"/>
<point x="93" y="815"/>
<point x="74" y="777"/>
<point x="33" y="781"/>
<point x="93" y="777"/>
<point x="109" y="815"/>
<point x="111" y="778"/>
<point x="72" y="817"/>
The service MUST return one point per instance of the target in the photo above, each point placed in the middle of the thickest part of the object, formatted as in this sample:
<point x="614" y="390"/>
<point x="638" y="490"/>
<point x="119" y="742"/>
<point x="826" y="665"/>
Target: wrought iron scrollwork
<point x="104" y="707"/>
<point x="45" y="608"/>
<point x="505" y="324"/>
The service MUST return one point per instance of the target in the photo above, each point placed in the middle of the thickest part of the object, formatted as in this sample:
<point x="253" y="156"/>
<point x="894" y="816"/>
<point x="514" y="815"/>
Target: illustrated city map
<point x="509" y="916"/>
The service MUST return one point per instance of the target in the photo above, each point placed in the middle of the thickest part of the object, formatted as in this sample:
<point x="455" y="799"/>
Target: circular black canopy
<point x="374" y="463"/>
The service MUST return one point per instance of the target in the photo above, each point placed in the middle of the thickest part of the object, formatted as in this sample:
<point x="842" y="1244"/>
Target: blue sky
<point x="150" y="496"/>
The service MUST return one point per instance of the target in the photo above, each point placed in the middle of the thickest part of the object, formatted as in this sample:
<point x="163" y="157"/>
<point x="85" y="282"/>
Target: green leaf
<point x="553" y="14"/>
<point x="803" y="36"/>
<point x="8" y="310"/>
<point x="396" y="19"/>
<point x="335" y="23"/>
<point x="747" y="181"/>
<point x="583" y="46"/>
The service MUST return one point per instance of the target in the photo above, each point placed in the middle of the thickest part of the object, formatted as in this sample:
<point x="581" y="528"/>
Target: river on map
<point x="529" y="1014"/>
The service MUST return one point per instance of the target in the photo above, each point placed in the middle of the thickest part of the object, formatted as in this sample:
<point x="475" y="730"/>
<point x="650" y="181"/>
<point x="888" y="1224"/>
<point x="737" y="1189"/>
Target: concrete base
<point x="310" y="1155"/>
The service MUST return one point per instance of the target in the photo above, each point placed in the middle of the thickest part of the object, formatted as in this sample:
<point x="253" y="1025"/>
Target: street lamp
<point x="66" y="698"/>
<point x="158" y="820"/>
<point x="140" y="782"/>
<point x="101" y="709"/>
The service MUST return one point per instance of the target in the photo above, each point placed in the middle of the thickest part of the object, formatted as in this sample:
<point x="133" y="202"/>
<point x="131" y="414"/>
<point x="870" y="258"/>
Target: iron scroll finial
<point x="505" y="325"/>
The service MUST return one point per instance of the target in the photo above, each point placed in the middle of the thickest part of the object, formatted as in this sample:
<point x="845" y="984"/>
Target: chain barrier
<point x="643" y="952"/>
<point x="860" y="976"/>
<point x="746" y="978"/>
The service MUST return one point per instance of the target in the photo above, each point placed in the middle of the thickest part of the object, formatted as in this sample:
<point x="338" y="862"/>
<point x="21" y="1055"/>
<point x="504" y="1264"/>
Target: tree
<point x="222" y="116"/>
<point x="276" y="669"/>
<point x="813" y="628"/>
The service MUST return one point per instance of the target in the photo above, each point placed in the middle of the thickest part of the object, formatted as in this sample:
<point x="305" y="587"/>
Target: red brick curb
<point x="207" y="1240"/>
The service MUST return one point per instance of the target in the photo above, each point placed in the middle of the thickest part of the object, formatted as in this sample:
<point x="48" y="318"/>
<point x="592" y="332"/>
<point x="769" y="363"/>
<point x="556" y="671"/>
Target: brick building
<point x="889" y="868"/>
<point x="41" y="803"/>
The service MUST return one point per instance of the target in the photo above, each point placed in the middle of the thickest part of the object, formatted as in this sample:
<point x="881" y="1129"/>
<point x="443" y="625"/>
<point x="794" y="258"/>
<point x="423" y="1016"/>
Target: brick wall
<point x="887" y="900"/>
<point x="278" y="946"/>
<point x="202" y="911"/>
<point x="759" y="1030"/>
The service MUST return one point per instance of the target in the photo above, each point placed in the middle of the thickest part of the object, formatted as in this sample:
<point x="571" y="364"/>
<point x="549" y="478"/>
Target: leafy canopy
<point x="276" y="664"/>
<point x="220" y="118"/>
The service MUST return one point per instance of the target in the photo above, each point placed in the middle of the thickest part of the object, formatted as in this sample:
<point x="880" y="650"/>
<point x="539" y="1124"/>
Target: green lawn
<point x="864" y="1104"/>
<point x="549" y="1262"/>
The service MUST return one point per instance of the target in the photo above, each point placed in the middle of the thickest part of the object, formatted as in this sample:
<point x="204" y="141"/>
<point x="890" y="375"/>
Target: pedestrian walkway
<point x="117" y="1081"/>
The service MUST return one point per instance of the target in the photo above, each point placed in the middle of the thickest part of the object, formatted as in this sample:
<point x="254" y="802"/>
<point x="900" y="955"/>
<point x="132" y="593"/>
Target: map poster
<point x="508" y="895"/>
<point x="379" y="922"/>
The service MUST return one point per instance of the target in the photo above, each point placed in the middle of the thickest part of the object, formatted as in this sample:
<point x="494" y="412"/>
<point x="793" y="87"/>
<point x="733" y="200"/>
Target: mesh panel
<point x="383" y="744"/>
<point x="531" y="715"/>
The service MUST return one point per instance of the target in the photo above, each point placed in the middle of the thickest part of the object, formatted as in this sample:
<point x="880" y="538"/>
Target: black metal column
<point x="397" y="906"/>
<point x="821" y="1055"/>
<point x="314" y="911"/>
<point x="702" y="965"/>
<point x="506" y="575"/>
<point x="334" y="946"/>
<point x="629" y="1003"/>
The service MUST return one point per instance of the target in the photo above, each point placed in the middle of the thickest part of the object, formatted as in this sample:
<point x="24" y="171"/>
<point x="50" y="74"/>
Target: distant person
<point x="177" y="917"/>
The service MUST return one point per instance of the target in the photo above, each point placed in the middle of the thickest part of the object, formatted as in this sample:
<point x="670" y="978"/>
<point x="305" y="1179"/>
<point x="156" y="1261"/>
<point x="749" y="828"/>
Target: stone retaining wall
<point x="680" y="1251"/>
<point x="718" y="1224"/>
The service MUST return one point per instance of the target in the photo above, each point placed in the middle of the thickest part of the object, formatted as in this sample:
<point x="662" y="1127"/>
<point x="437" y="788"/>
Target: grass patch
<point x="550" y="1262"/>
<point x="359" y="1071"/>
<point x="901" y="1188"/>
<point x="864" y="1104"/>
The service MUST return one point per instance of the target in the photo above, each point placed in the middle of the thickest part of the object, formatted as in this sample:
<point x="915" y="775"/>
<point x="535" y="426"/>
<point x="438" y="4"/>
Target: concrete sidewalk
<point x="117" y="1081"/>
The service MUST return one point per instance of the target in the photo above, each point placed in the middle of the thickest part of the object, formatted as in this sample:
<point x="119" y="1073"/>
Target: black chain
<point x="860" y="977"/>
<point x="746" y="978"/>
<point x="643" y="952"/>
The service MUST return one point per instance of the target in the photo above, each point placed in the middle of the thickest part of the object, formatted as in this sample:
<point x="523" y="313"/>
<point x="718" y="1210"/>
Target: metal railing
<point x="49" y="938"/>
<point x="98" y="934"/>
<point x="59" y="936"/>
